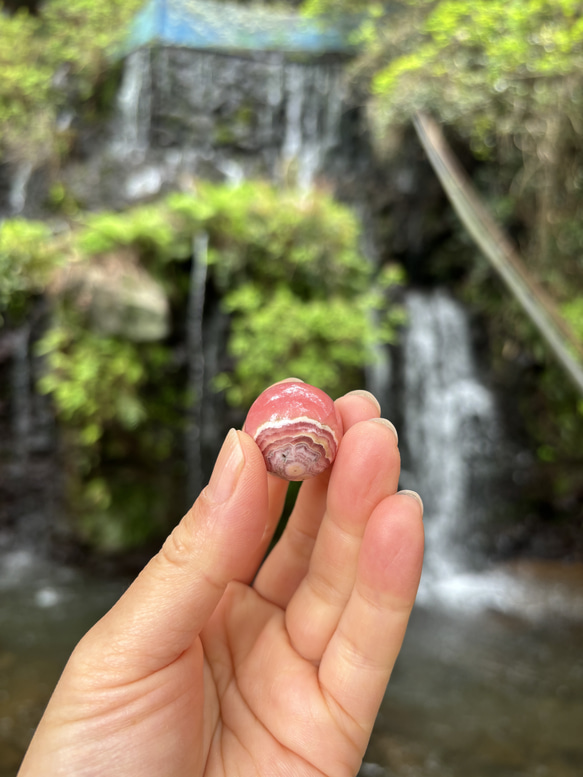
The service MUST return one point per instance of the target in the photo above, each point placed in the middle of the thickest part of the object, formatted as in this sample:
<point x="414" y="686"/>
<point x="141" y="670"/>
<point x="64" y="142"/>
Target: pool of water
<point x="490" y="679"/>
<point x="489" y="682"/>
<point x="44" y="610"/>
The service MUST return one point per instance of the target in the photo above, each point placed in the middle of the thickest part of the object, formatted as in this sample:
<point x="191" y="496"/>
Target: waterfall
<point x="452" y="447"/>
<point x="313" y="106"/>
<point x="184" y="113"/>
<point x="18" y="188"/>
<point x="450" y="428"/>
<point x="196" y="365"/>
<point x="21" y="395"/>
<point x="134" y="107"/>
<point x="27" y="491"/>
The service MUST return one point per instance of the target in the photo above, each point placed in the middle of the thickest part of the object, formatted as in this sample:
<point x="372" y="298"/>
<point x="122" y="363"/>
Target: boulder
<point x="117" y="295"/>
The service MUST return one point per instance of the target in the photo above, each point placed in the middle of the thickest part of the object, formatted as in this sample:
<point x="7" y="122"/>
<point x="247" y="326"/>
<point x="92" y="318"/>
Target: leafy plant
<point x="287" y="270"/>
<point x="27" y="257"/>
<point x="299" y="292"/>
<point x="287" y="267"/>
<point x="149" y="228"/>
<point x="573" y="313"/>
<point x="60" y="57"/>
<point x="25" y="83"/>
<point x="94" y="381"/>
<point x="326" y="342"/>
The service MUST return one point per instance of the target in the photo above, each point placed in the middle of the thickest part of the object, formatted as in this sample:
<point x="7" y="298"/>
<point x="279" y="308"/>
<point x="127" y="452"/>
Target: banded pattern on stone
<point x="298" y="448"/>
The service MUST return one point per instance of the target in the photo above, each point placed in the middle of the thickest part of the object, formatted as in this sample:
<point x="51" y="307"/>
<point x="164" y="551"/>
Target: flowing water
<point x="481" y="692"/>
<point x="490" y="678"/>
<point x="18" y="190"/>
<point x="450" y="428"/>
<point x="44" y="610"/>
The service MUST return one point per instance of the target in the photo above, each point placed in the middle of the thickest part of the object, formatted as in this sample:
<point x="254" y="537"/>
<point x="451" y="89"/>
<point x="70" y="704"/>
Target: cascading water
<point x="134" y="107"/>
<point x="452" y="445"/>
<point x="313" y="101"/>
<point x="184" y="113"/>
<point x="18" y="189"/>
<point x="450" y="428"/>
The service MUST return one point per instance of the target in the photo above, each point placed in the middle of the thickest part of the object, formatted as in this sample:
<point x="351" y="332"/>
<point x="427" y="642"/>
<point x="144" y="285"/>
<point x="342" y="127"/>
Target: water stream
<point x="490" y="678"/>
<point x="453" y="451"/>
<point x="18" y="190"/>
<point x="450" y="428"/>
<point x="134" y="108"/>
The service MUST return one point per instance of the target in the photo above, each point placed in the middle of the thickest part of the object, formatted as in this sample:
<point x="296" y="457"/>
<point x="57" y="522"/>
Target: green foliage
<point x="58" y="56"/>
<point x="288" y="268"/>
<point x="83" y="33"/>
<point x="325" y="341"/>
<point x="558" y="427"/>
<point x="300" y="295"/>
<point x="25" y="82"/>
<point x="295" y="284"/>
<point x="148" y="228"/>
<point x="115" y="402"/>
<point x="124" y="511"/>
<point x="484" y="66"/>
<point x="94" y="382"/>
<point x="27" y="257"/>
<point x="308" y="242"/>
<point x="507" y="76"/>
<point x="573" y="313"/>
<point x="60" y="201"/>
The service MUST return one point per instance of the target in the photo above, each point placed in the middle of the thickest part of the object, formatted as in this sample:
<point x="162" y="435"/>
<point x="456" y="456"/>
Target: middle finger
<point x="288" y="562"/>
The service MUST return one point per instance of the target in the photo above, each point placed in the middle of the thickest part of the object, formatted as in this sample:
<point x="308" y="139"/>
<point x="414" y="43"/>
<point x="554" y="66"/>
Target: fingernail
<point x="414" y="494"/>
<point x="227" y="469"/>
<point x="388" y="424"/>
<point x="289" y="380"/>
<point x="365" y="395"/>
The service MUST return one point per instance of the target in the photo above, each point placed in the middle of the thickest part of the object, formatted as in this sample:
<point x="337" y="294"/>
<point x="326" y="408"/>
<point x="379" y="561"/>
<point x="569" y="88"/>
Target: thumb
<point x="217" y="541"/>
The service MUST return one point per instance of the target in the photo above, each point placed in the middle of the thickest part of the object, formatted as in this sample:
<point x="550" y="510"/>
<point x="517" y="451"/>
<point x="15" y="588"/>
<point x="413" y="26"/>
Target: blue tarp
<point x="203" y="24"/>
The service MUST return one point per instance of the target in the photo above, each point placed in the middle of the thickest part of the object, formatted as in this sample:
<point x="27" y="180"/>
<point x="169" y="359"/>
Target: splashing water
<point x="450" y="424"/>
<point x="451" y="439"/>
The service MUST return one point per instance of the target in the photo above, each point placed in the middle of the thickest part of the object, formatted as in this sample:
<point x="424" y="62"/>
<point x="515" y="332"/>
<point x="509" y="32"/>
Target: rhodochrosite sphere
<point x="297" y="428"/>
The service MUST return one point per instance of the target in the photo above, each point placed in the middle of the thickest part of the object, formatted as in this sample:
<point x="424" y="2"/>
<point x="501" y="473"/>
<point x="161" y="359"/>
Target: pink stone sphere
<point x="297" y="429"/>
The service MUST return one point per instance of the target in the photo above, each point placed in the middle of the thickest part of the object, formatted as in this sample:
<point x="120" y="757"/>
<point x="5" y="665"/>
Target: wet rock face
<point x="184" y="113"/>
<point x="117" y="296"/>
<point x="263" y="106"/>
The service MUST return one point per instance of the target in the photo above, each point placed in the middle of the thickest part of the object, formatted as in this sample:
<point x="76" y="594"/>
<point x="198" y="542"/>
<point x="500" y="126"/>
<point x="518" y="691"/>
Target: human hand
<point x="207" y="667"/>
